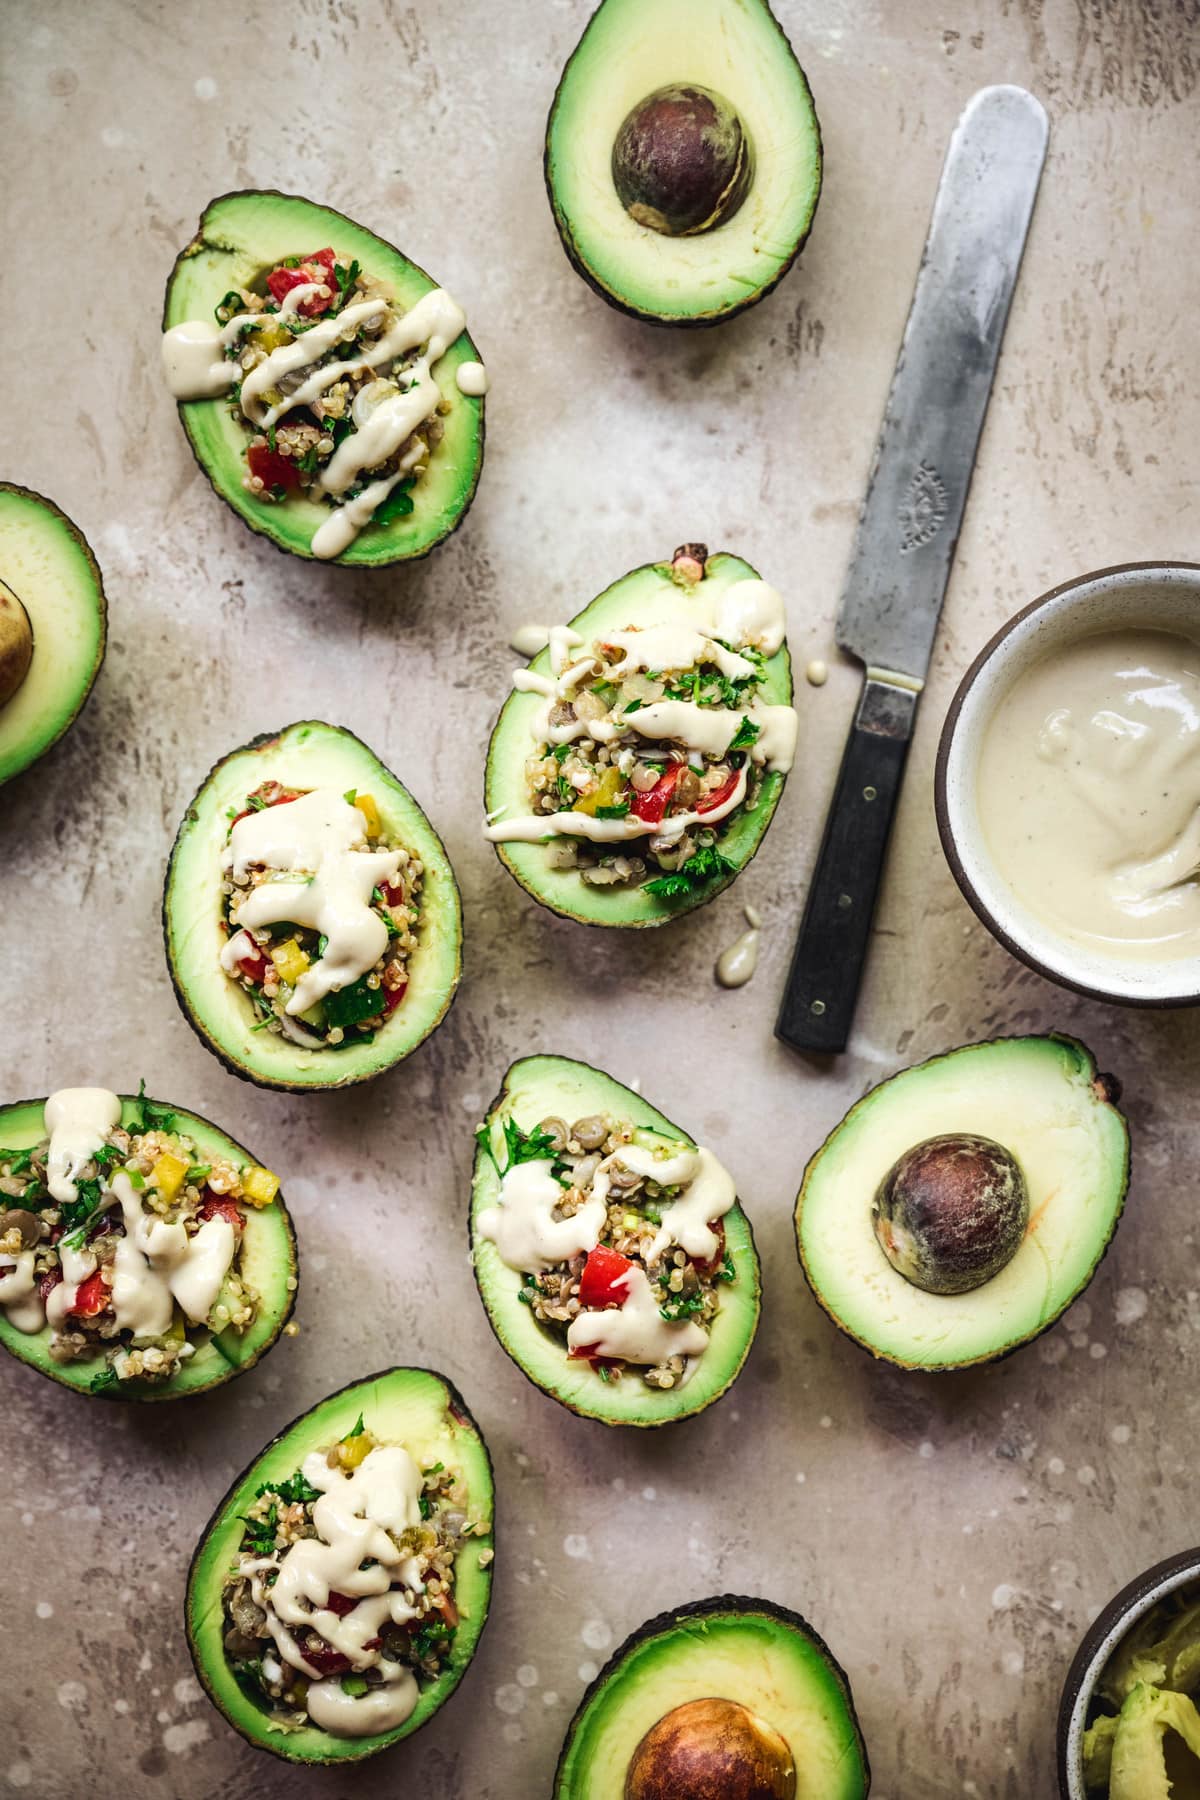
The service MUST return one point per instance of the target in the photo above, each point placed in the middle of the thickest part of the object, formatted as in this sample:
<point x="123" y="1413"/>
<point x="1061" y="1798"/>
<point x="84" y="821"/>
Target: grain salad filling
<point x="125" y="1240"/>
<point x="321" y="913"/>
<point x="652" y="741"/>
<point x="332" y="381"/>
<point x="341" y="1606"/>
<point x="617" y="1231"/>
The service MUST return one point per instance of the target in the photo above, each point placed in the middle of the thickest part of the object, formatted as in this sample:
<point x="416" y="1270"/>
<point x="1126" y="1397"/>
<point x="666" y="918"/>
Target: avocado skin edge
<point x="1110" y="1089"/>
<point x="190" y="249"/>
<point x="582" y="1412"/>
<point x="456" y="1405"/>
<point x="211" y="1044"/>
<point x="700" y="1610"/>
<point x="690" y="321"/>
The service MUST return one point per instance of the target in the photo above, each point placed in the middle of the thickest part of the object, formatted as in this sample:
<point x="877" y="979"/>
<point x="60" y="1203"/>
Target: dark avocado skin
<point x="200" y="242"/>
<point x="699" y="1610"/>
<point x="697" y="320"/>
<point x="1111" y="1091"/>
<point x="456" y="1404"/>
<point x="264" y="741"/>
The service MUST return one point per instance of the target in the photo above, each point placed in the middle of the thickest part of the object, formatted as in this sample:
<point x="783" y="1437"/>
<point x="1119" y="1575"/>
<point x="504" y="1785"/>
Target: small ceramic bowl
<point x="1134" y="595"/>
<point x="1120" y="1616"/>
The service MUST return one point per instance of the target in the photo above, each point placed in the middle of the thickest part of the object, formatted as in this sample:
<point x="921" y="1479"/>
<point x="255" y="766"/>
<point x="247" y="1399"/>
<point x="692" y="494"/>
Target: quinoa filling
<point x="617" y="1231"/>
<point x="334" y="973"/>
<point x="136" y="1257"/>
<point x="341" y="1605"/>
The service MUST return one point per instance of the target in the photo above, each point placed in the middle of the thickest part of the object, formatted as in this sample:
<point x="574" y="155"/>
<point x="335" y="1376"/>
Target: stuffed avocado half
<point x="637" y="764"/>
<point x="613" y="1260"/>
<point x="683" y="157"/>
<point x="144" y="1255"/>
<point x="312" y="920"/>
<point x="53" y="624"/>
<point x="962" y="1205"/>
<point x="340" y="1588"/>
<point x="327" y="386"/>
<point x="728" y="1697"/>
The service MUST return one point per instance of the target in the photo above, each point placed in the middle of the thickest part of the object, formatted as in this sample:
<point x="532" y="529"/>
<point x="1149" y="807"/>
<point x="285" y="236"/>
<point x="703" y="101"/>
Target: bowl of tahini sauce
<point x="1068" y="784"/>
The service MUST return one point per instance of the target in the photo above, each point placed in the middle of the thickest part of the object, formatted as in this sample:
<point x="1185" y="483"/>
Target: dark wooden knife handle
<point x="822" y="985"/>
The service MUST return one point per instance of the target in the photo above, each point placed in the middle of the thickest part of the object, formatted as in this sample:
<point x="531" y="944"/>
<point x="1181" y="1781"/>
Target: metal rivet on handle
<point x="870" y="793"/>
<point x="817" y="1008"/>
<point x="844" y="901"/>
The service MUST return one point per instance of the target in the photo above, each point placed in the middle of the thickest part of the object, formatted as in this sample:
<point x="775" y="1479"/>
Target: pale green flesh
<point x="765" y="1663"/>
<point x="240" y="237"/>
<point x="401" y="1406"/>
<point x="268" y="1261"/>
<point x="736" y="48"/>
<point x="646" y="596"/>
<point x="46" y="563"/>
<point x="1035" y="1097"/>
<point x="306" y="755"/>
<point x="542" y="1087"/>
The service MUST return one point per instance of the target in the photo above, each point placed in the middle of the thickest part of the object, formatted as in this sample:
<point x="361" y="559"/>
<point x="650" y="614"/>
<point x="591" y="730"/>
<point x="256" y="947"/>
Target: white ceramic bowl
<point x="1135" y="595"/>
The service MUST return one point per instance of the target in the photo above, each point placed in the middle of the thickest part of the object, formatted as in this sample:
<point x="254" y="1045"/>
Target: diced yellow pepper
<point x="259" y="1186"/>
<point x="290" y="960"/>
<point x="607" y="791"/>
<point x="370" y="813"/>
<point x="270" y="336"/>
<point x="355" y="1450"/>
<point x="168" y="1172"/>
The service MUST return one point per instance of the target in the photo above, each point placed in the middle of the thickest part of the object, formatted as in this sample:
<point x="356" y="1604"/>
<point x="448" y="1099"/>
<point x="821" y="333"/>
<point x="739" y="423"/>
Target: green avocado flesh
<point x="305" y="755"/>
<point x="631" y="49"/>
<point x="1041" y="1098"/>
<point x="540" y="1087"/>
<point x="268" y="1263"/>
<point x="749" y="1651"/>
<point x="47" y="564"/>
<point x="240" y="237"/>
<point x="1148" y="1746"/>
<point x="646" y="596"/>
<point x="412" y="1407"/>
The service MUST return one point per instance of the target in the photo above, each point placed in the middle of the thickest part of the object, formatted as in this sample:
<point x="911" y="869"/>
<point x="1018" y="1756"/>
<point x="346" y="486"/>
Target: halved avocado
<point x="241" y="236"/>
<point x="269" y="1263"/>
<point x="753" y="1653"/>
<point x="414" y="1407"/>
<point x="53" y="624"/>
<point x="308" y="754"/>
<point x="651" y="595"/>
<point x="685" y="210"/>
<point x="540" y="1087"/>
<point x="1042" y="1099"/>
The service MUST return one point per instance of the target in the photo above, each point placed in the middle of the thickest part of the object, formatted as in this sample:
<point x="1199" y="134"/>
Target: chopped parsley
<point x="259" y="1535"/>
<point x="678" y="1307"/>
<point x="17" y="1161"/>
<point x="520" y="1146"/>
<point x="346" y="275"/>
<point x="106" y="1382"/>
<point x="294" y="1489"/>
<point x="706" y="864"/>
<point x="395" y="505"/>
<point x="153" y="1115"/>
<point x="726" y="1272"/>
<point x="613" y="812"/>
<point x="746" y="734"/>
<point x="78" y="1215"/>
<point x="358" y="1429"/>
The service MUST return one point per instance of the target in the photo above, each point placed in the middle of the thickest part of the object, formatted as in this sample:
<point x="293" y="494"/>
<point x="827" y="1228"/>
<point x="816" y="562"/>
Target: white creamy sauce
<point x="78" y="1120"/>
<point x="529" y="640"/>
<point x="522" y="1228"/>
<point x="353" y="1519"/>
<point x="18" y="1292"/>
<point x="670" y="647"/>
<point x="816" y="673"/>
<point x="314" y="837"/>
<point x="636" y="1330"/>
<point x="1089" y="792"/>
<point x="738" y="961"/>
<point x="472" y="379"/>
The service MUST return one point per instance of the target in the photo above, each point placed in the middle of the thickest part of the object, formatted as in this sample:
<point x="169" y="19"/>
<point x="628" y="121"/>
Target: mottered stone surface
<point x="950" y="1537"/>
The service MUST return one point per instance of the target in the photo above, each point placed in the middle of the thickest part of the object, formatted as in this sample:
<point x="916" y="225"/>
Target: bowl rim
<point x="1112" y="1622"/>
<point x="941" y="804"/>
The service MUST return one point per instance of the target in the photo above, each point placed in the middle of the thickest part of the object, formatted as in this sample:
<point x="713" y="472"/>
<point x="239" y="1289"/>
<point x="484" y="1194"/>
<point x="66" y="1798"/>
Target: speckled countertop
<point x="950" y="1537"/>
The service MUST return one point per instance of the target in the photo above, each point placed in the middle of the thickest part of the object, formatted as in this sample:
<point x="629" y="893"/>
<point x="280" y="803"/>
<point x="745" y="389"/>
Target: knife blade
<point x="908" y="532"/>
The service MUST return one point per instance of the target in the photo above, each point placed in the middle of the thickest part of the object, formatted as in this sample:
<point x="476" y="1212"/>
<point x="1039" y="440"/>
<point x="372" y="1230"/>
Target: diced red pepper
<point x="251" y="961"/>
<point x="652" y="805"/>
<point x="393" y="892"/>
<point x="445" y="1605"/>
<point x="283" y="800"/>
<point x="702" y="1267"/>
<point x="324" y="1658"/>
<point x="317" y="267"/>
<point x="718" y="796"/>
<point x="392" y="997"/>
<point x="272" y="469"/>
<point x="48" y="1282"/>
<point x="601" y="1283"/>
<point x="220" y="1206"/>
<point x="340" y="1604"/>
<point x="91" y="1297"/>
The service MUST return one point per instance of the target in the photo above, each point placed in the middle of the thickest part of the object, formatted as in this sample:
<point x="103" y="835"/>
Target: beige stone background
<point x="950" y="1537"/>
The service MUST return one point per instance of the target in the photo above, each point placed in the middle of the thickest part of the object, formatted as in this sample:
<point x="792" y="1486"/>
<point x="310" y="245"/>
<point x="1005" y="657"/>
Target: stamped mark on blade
<point x="923" y="508"/>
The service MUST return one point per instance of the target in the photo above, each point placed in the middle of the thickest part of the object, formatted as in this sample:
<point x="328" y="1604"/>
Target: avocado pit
<point x="16" y="643"/>
<point x="682" y="162"/>
<point x="951" y="1212"/>
<point x="711" y="1749"/>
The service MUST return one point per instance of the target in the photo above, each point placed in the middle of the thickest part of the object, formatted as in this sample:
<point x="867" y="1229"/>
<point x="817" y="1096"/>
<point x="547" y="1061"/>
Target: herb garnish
<point x="706" y="864"/>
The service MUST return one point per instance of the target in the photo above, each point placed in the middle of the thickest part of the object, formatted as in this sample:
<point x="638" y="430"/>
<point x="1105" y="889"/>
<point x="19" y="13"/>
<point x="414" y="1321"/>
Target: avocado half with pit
<point x="53" y="625"/>
<point x="414" y="1407"/>
<point x="1040" y="1100"/>
<point x="683" y="157"/>
<point x="306" y="755"/>
<point x="651" y="595"/>
<point x="725" y="1699"/>
<point x="240" y="238"/>
<point x="541" y="1087"/>
<point x="268" y="1262"/>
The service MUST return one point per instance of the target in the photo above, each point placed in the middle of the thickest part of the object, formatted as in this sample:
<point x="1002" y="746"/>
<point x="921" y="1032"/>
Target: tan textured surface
<point x="950" y="1537"/>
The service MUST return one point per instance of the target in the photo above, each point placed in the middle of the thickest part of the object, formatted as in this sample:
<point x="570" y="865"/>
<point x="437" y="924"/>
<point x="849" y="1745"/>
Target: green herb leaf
<point x="271" y="438"/>
<point x="424" y="1506"/>
<point x="396" y="505"/>
<point x="747" y="733"/>
<point x="613" y="812"/>
<point x="227" y="306"/>
<point x="80" y="1214"/>
<point x="346" y="275"/>
<point x="106" y="1382"/>
<point x="294" y="1489"/>
<point x="726" y="1272"/>
<point x="259" y="1535"/>
<point x="196" y="1173"/>
<point x="705" y="865"/>
<point x="680" y="1308"/>
<point x="525" y="1146"/>
<point x="17" y="1161"/>
<point x="354" y="1685"/>
<point x="358" y="1429"/>
<point x="634" y="706"/>
<point x="350" y="796"/>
